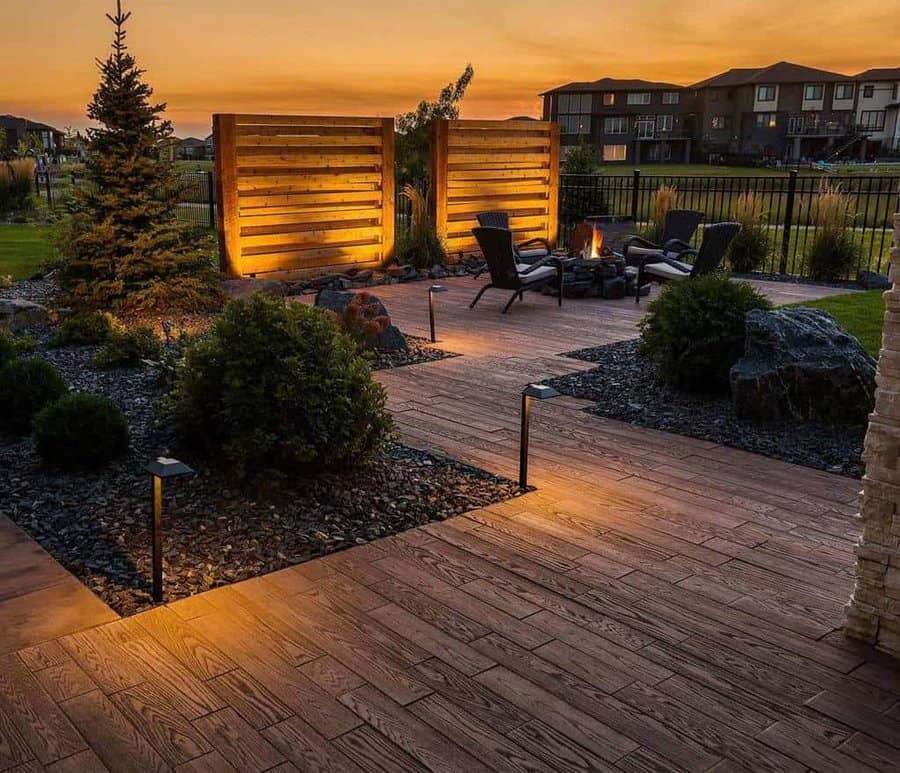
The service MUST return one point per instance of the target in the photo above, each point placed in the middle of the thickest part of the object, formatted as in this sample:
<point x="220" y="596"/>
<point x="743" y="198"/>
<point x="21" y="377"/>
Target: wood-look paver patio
<point x="659" y="603"/>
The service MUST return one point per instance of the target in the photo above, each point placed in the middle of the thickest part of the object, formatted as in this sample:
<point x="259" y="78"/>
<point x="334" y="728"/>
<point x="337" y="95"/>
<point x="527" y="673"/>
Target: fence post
<point x="788" y="221"/>
<point x="210" y="201"/>
<point x="635" y="194"/>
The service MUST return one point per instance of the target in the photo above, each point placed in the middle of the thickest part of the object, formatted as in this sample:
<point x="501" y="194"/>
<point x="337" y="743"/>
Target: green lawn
<point x="23" y="248"/>
<point x="860" y="314"/>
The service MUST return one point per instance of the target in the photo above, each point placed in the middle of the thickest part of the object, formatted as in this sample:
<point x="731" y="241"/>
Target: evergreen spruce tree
<point x="123" y="247"/>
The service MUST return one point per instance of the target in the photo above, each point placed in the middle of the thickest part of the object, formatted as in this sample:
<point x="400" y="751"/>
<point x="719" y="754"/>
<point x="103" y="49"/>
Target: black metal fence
<point x="787" y="201"/>
<point x="197" y="204"/>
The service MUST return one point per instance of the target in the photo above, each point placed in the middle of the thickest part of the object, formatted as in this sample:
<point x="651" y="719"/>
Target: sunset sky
<point x="363" y="57"/>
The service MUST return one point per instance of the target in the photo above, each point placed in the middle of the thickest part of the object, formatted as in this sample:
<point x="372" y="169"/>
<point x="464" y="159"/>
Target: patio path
<point x="659" y="603"/>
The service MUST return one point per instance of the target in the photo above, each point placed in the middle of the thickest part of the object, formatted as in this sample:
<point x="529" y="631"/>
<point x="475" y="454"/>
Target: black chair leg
<point x="510" y="301"/>
<point x="521" y="295"/>
<point x="637" y="283"/>
<point x="478" y="297"/>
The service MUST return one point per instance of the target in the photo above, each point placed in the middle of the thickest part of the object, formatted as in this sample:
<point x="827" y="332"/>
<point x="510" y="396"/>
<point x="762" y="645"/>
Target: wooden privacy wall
<point x="478" y="166"/>
<point x="299" y="193"/>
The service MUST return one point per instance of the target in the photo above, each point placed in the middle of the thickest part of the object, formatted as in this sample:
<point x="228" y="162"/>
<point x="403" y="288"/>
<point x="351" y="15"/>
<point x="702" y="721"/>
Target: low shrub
<point x="8" y="348"/>
<point x="833" y="251"/>
<point x="26" y="387"/>
<point x="276" y="388"/>
<point x="362" y="321"/>
<point x="16" y="184"/>
<point x="128" y="348"/>
<point x="694" y="331"/>
<point x="419" y="245"/>
<point x="750" y="247"/>
<point x="81" y="431"/>
<point x="84" y="329"/>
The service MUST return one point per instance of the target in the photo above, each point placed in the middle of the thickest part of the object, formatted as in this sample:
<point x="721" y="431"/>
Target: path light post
<point x="431" y="291"/>
<point x="160" y="469"/>
<point x="537" y="392"/>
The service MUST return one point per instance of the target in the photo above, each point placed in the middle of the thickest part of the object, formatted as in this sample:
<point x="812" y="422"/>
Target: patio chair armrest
<point x="676" y="245"/>
<point x="537" y="264"/>
<point x="638" y="241"/>
<point x="537" y="241"/>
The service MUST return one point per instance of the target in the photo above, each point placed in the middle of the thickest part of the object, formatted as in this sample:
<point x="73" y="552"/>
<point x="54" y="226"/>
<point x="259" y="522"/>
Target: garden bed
<point x="95" y="524"/>
<point x="623" y="387"/>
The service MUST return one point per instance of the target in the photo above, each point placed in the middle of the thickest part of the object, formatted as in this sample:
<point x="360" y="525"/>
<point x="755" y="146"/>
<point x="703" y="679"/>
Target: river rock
<point x="800" y="363"/>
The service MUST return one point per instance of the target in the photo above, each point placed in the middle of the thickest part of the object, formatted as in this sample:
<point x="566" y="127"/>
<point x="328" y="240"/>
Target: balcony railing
<point x="829" y="130"/>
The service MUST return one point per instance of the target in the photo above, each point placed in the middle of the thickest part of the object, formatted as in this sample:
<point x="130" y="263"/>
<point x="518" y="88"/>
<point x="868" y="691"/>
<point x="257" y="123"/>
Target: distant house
<point x="192" y="149"/>
<point x="168" y="149"/>
<point x="210" y="147"/>
<point x="878" y="108"/>
<point x="14" y="130"/>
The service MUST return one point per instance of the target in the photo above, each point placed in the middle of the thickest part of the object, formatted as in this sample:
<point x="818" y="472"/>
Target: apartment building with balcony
<point x="628" y="121"/>
<point x="878" y="109"/>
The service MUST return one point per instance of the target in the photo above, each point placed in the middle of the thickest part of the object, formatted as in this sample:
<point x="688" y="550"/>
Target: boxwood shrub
<point x="26" y="387"/>
<point x="81" y="431"/>
<point x="694" y="331"/>
<point x="276" y="388"/>
<point x="128" y="348"/>
<point x="83" y="329"/>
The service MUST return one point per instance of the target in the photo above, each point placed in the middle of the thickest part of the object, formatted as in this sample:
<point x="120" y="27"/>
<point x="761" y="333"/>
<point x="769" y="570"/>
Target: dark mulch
<point x="624" y="387"/>
<point x="420" y="350"/>
<point x="95" y="524"/>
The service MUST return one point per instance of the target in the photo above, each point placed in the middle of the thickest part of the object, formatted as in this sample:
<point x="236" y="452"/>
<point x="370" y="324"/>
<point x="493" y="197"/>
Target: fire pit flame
<point x="597" y="241"/>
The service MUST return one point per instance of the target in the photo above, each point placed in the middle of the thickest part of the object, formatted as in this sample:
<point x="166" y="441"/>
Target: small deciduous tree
<point x="123" y="245"/>
<point x="580" y="159"/>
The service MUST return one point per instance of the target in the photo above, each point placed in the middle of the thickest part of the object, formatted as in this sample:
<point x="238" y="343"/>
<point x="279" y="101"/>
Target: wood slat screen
<point x="298" y="194"/>
<point x="479" y="166"/>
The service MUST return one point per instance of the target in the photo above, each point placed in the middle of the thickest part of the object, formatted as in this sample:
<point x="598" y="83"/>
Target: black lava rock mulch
<point x="624" y="387"/>
<point x="96" y="524"/>
<point x="420" y="350"/>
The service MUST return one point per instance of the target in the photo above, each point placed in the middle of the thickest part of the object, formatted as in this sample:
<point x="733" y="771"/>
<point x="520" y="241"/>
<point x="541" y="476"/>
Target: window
<point x="872" y="120"/>
<point x="664" y="123"/>
<point x="765" y="93"/>
<point x="868" y="91"/>
<point x="615" y="152"/>
<point x="719" y="122"/>
<point x="644" y="126"/>
<point x="671" y="98"/>
<point x="795" y="124"/>
<point x="574" y="124"/>
<point x="813" y="92"/>
<point x="609" y="99"/>
<point x="638" y="98"/>
<point x="575" y="103"/>
<point x="843" y="91"/>
<point x="615" y="125"/>
<point x="574" y="113"/>
<point x="766" y="120"/>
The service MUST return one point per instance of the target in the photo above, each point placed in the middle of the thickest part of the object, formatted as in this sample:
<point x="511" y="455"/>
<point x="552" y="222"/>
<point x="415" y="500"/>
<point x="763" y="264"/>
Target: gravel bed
<point x="623" y="387"/>
<point x="420" y="350"/>
<point x="95" y="524"/>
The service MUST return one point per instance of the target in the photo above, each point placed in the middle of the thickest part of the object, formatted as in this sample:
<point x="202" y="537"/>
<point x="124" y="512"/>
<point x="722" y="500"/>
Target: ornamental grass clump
<point x="16" y="184"/>
<point x="420" y="246"/>
<point x="664" y="199"/>
<point x="81" y="431"/>
<point x="833" y="251"/>
<point x="750" y="247"/>
<point x="694" y="331"/>
<point x="276" y="390"/>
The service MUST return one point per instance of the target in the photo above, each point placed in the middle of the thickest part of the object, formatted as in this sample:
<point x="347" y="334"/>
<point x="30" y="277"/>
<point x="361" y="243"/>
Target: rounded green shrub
<point x="694" y="331"/>
<point x="833" y="254"/>
<point x="749" y="249"/>
<point x="277" y="388"/>
<point x="84" y="329"/>
<point x="8" y="348"/>
<point x="26" y="387"/>
<point x="126" y="349"/>
<point x="81" y="431"/>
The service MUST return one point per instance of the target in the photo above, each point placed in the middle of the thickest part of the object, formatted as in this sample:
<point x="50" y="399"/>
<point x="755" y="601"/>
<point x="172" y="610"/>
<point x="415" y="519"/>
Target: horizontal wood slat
<point x="304" y="192"/>
<point x="480" y="166"/>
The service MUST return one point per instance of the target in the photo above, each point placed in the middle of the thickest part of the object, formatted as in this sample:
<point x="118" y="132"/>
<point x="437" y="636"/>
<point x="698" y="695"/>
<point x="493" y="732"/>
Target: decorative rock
<point x="17" y="314"/>
<point x="242" y="289"/>
<point x="389" y="340"/>
<point x="800" y="364"/>
<point x="437" y="272"/>
<point x="871" y="280"/>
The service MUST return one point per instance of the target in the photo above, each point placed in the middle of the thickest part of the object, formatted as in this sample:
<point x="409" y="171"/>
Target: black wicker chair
<point x="709" y="258"/>
<point x="528" y="251"/>
<point x="507" y="272"/>
<point x="678" y="230"/>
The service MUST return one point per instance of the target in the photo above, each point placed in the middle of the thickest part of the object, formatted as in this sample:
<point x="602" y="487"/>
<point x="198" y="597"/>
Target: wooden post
<point x="227" y="222"/>
<point x="388" y="190"/>
<point x="438" y="193"/>
<point x="553" y="198"/>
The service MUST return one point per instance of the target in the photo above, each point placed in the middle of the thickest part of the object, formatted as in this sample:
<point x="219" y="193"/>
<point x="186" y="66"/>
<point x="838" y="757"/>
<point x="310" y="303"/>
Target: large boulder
<point x="389" y="340"/>
<point x="17" y="314"/>
<point x="800" y="363"/>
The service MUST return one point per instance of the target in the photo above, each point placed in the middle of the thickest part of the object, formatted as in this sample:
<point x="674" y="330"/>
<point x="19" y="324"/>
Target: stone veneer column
<point x="873" y="613"/>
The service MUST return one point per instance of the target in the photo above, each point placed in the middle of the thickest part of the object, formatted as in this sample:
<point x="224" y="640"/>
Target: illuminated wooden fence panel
<point x="302" y="194"/>
<point x="479" y="166"/>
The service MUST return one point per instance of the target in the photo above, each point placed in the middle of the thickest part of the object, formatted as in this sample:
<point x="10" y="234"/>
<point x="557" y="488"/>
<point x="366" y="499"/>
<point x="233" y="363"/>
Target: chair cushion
<point x="666" y="271"/>
<point x="535" y="252"/>
<point x="541" y="274"/>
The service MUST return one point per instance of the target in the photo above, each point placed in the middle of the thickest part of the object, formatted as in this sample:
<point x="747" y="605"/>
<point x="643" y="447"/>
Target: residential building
<point x="878" y="109"/>
<point x="192" y="149"/>
<point x="15" y="130"/>
<point x="626" y="120"/>
<point x="210" y="147"/>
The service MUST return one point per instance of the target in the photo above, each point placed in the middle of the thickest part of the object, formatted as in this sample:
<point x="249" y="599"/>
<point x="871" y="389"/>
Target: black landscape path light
<point x="529" y="393"/>
<point x="159" y="469"/>
<point x="431" y="291"/>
